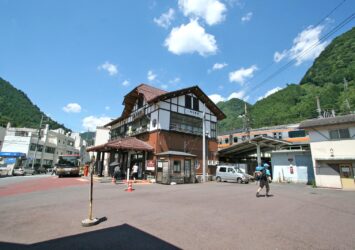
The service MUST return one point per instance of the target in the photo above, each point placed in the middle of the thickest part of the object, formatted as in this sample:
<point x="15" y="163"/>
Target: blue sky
<point x="77" y="59"/>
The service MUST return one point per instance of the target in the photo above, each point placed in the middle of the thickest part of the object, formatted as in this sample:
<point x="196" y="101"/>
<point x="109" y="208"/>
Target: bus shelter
<point x="124" y="152"/>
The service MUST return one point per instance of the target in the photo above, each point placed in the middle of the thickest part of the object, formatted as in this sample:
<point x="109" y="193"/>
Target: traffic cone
<point x="113" y="180"/>
<point x="129" y="189"/>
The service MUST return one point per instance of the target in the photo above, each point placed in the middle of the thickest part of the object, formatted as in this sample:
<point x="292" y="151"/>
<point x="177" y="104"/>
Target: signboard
<point x="193" y="113"/>
<point x="150" y="165"/>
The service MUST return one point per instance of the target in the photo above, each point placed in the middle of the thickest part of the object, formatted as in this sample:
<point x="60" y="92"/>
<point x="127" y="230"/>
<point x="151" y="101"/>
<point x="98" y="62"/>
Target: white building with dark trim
<point x="162" y="132"/>
<point x="332" y="143"/>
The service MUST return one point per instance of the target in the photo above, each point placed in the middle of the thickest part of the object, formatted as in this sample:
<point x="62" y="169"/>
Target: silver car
<point x="231" y="173"/>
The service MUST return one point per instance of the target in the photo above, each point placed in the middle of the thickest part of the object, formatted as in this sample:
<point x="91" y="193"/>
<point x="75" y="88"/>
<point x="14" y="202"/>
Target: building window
<point x="339" y="134"/>
<point x="21" y="133"/>
<point x="154" y="123"/>
<point x="280" y="135"/>
<point x="195" y="104"/>
<point x="213" y="130"/>
<point x="235" y="139"/>
<point x="187" y="101"/>
<point x="226" y="140"/>
<point x="184" y="123"/>
<point x="177" y="166"/>
<point x="33" y="147"/>
<point x="296" y="133"/>
<point x="140" y="101"/>
<point x="50" y="150"/>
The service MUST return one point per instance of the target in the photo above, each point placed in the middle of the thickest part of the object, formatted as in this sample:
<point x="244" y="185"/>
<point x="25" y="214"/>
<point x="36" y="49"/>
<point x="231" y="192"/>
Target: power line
<point x="303" y="53"/>
<point x="318" y="23"/>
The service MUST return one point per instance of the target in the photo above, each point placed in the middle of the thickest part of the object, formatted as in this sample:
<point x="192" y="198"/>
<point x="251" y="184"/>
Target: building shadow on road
<point x="119" y="237"/>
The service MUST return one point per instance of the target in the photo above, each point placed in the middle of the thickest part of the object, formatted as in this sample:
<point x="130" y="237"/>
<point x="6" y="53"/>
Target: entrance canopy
<point x="127" y="143"/>
<point x="249" y="147"/>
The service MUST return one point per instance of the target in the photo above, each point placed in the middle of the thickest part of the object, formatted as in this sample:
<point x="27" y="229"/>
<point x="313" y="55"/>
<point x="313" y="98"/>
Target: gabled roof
<point x="127" y="143"/>
<point x="153" y="95"/>
<point x="328" y="121"/>
<point x="199" y="93"/>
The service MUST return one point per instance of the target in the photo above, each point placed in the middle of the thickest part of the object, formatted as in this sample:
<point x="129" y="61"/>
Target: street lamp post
<point x="203" y="145"/>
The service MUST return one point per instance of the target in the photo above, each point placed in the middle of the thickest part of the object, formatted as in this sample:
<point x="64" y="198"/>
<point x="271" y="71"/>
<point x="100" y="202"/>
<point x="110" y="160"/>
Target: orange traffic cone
<point x="129" y="189"/>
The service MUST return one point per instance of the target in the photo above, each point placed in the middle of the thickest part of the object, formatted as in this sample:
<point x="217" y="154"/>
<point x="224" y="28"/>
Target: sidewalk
<point x="108" y="179"/>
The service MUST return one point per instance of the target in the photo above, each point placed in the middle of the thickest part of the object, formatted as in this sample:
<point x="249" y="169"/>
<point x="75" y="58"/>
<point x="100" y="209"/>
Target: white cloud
<point x="165" y="19"/>
<point x="110" y="68"/>
<point x="279" y="56"/>
<point x="151" y="76"/>
<point x="247" y="17"/>
<point x="191" y="38"/>
<point x="218" y="98"/>
<point x="107" y="108"/>
<point x="218" y="66"/>
<point x="212" y="11"/>
<point x="125" y="83"/>
<point x="239" y="95"/>
<point x="303" y="48"/>
<point x="242" y="74"/>
<point x="175" y="80"/>
<point x="91" y="122"/>
<point x="72" y="108"/>
<point x="270" y="92"/>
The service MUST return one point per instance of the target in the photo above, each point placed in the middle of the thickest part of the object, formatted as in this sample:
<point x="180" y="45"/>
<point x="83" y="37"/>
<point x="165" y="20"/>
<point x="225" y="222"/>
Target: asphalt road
<point x="191" y="216"/>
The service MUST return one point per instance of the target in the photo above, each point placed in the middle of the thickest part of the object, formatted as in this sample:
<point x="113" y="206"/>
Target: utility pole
<point x="319" y="110"/>
<point x="204" y="144"/>
<point x="246" y="122"/>
<point x="38" y="138"/>
<point x="347" y="104"/>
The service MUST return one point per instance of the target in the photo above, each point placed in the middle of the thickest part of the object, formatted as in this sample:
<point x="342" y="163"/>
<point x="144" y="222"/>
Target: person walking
<point x="135" y="171"/>
<point x="263" y="175"/>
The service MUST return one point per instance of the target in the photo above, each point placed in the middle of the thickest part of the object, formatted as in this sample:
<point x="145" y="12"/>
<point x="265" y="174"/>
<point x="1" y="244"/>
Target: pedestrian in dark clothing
<point x="263" y="175"/>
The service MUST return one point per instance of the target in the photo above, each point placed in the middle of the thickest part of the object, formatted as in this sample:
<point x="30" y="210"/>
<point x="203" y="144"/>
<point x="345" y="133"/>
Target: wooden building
<point x="168" y="127"/>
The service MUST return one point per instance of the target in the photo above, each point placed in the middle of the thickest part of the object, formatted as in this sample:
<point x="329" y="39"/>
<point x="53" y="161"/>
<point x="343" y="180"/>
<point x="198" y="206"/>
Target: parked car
<point x="231" y="173"/>
<point x="18" y="171"/>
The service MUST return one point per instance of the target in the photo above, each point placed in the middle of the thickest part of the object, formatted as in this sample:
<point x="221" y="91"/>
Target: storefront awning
<point x="127" y="143"/>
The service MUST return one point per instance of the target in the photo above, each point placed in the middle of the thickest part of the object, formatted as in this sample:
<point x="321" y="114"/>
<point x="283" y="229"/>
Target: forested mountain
<point x="331" y="78"/>
<point x="17" y="108"/>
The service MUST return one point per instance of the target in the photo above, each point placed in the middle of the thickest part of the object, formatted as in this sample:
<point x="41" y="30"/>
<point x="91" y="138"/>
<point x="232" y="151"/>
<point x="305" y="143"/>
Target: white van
<point x="230" y="173"/>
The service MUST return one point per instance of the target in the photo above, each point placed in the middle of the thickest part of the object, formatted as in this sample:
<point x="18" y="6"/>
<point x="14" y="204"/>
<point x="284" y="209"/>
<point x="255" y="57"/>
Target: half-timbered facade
<point x="171" y="123"/>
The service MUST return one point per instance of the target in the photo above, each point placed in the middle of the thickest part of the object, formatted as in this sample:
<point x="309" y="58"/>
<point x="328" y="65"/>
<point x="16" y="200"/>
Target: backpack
<point x="260" y="174"/>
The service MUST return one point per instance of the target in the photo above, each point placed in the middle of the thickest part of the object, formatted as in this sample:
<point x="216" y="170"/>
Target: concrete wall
<point x="299" y="161"/>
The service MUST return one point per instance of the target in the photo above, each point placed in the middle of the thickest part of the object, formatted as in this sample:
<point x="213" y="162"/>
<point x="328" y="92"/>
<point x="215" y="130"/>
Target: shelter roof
<point x="249" y="146"/>
<point x="127" y="143"/>
<point x="178" y="153"/>
<point x="328" y="121"/>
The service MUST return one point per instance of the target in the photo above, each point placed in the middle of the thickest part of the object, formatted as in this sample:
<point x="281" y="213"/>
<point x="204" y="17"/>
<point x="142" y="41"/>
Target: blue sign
<point x="10" y="160"/>
<point x="12" y="154"/>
